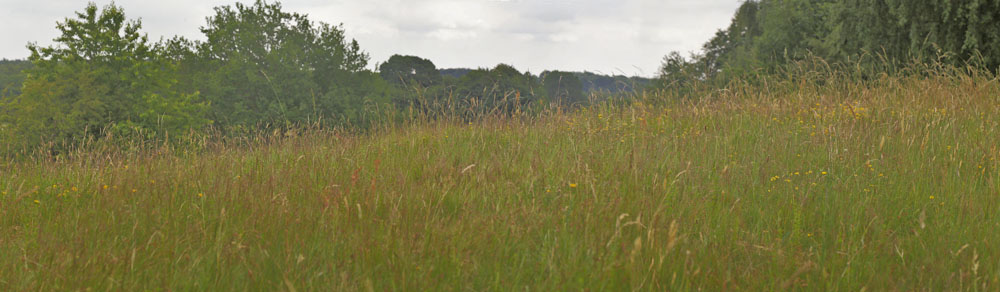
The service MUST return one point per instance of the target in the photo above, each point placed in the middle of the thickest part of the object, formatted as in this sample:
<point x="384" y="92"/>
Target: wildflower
<point x="37" y="202"/>
<point x="572" y="185"/>
<point x="74" y="189"/>
<point x="105" y="187"/>
<point x="932" y="197"/>
<point x="823" y="173"/>
<point x="200" y="195"/>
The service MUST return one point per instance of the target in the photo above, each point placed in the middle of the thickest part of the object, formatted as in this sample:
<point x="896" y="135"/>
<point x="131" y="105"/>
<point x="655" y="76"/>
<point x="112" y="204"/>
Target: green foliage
<point x="12" y="76"/>
<point x="503" y="89"/>
<point x="680" y="74"/>
<point x="563" y="88"/>
<point x="767" y="35"/>
<point x="957" y="30"/>
<point x="408" y="71"/>
<point x="613" y="84"/>
<point x="261" y="64"/>
<point x="102" y="73"/>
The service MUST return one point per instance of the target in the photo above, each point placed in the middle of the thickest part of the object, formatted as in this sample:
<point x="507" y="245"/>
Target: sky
<point x="622" y="37"/>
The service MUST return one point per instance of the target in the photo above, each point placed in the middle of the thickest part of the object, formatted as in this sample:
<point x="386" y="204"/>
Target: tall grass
<point x="813" y="181"/>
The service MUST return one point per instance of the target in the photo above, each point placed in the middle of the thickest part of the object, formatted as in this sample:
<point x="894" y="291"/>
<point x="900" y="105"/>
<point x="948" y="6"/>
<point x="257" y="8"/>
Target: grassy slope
<point x="819" y="188"/>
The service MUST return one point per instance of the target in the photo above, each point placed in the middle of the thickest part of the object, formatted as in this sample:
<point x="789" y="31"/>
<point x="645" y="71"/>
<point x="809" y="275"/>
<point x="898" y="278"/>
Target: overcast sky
<point x="627" y="37"/>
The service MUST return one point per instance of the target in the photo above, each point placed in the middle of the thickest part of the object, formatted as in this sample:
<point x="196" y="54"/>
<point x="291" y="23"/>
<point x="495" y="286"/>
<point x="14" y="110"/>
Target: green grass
<point x="892" y="185"/>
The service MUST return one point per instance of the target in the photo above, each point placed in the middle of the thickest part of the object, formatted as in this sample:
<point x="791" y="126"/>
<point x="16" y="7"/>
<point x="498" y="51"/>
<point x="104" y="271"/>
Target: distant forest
<point x="13" y="72"/>
<point x="259" y="65"/>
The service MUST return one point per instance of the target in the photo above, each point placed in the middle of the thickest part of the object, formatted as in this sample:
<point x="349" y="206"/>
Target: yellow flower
<point x="37" y="202"/>
<point x="201" y="195"/>
<point x="105" y="187"/>
<point x="572" y="185"/>
<point x="134" y="190"/>
<point x="74" y="189"/>
<point x="932" y="197"/>
<point x="823" y="173"/>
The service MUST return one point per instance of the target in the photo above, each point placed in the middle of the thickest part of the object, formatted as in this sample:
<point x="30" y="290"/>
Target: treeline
<point x="765" y="36"/>
<point x="502" y="89"/>
<point x="258" y="66"/>
<point x="592" y="83"/>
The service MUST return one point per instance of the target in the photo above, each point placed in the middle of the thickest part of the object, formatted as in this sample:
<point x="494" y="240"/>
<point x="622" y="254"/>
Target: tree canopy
<point x="101" y="73"/>
<point x="262" y="64"/>
<point x="765" y="35"/>
<point x="408" y="71"/>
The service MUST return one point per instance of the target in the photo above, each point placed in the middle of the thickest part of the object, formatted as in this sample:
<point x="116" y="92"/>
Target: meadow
<point x="813" y="184"/>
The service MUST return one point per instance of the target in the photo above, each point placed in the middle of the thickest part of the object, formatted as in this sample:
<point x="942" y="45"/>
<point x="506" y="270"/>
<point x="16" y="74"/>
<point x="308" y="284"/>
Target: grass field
<point x="885" y="185"/>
